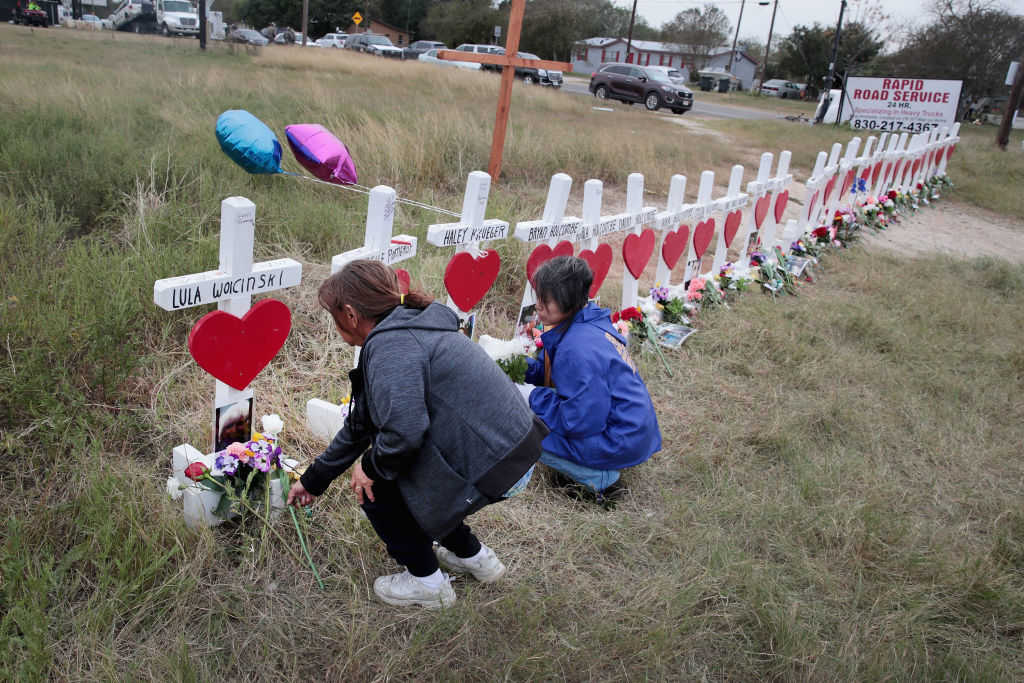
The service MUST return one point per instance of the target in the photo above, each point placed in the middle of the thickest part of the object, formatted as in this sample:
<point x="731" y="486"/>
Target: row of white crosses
<point x="231" y="286"/>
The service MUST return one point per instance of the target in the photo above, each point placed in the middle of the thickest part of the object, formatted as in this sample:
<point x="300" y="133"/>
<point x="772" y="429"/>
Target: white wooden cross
<point x="699" y="212"/>
<point x="472" y="228"/>
<point x="864" y="167"/>
<point x="886" y="155"/>
<point x="830" y="179"/>
<point x="378" y="243"/>
<point x="771" y="236"/>
<point x="779" y="187"/>
<point x="734" y="200"/>
<point x="595" y="226"/>
<point x="640" y="216"/>
<point x="899" y="158"/>
<point x="847" y="164"/>
<point x="231" y="287"/>
<point x="670" y="220"/>
<point x="950" y="141"/>
<point x="758" y="192"/>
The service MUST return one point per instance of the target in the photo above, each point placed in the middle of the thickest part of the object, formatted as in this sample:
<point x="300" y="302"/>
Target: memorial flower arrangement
<point x="511" y="355"/>
<point x="774" y="277"/>
<point x="705" y="293"/>
<point x="632" y="323"/>
<point x="845" y="227"/>
<point x="673" y="309"/>
<point x="729" y="281"/>
<point x="243" y="471"/>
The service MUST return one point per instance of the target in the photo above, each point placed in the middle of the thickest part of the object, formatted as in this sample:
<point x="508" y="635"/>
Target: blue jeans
<point x="598" y="480"/>
<point x="520" y="485"/>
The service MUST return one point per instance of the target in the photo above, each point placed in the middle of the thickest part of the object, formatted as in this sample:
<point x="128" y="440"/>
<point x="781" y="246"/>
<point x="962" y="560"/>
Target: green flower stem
<point x="652" y="335"/>
<point x="302" y="541"/>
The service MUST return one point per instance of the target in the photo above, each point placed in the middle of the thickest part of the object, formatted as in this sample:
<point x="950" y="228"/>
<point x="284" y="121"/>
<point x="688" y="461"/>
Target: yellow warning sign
<point x="357" y="18"/>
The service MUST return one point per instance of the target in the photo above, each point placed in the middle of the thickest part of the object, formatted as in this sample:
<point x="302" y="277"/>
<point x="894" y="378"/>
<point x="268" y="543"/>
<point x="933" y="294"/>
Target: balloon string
<point x="362" y="189"/>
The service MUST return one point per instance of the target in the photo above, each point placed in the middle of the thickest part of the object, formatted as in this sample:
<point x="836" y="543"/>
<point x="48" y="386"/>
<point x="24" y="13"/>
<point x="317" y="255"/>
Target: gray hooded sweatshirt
<point x="438" y="416"/>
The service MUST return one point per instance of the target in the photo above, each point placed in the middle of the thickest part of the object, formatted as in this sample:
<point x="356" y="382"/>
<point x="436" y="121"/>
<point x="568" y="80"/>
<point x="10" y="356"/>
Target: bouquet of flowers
<point x="673" y="309"/>
<point x="774" y="277"/>
<point x="729" y="281"/>
<point x="631" y="324"/>
<point x="511" y="355"/>
<point x="805" y="248"/>
<point x="243" y="472"/>
<point x="705" y="293"/>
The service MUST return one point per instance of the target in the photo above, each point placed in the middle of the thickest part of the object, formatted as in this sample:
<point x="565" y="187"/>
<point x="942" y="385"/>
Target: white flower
<point x="272" y="425"/>
<point x="501" y="349"/>
<point x="174" y="488"/>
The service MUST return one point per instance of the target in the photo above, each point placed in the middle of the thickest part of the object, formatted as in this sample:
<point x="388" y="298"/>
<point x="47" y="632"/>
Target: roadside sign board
<point x="357" y="18"/>
<point x="911" y="105"/>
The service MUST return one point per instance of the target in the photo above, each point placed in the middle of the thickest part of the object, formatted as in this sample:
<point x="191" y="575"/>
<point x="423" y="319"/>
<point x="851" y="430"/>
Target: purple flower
<point x="226" y="463"/>
<point x="261" y="462"/>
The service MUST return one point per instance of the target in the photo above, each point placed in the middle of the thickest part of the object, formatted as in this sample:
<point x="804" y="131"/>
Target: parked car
<point x="430" y="57"/>
<point x="337" y="40"/>
<point x="381" y="46"/>
<point x="649" y="85"/>
<point x="421" y="46"/>
<point x="247" y="36"/>
<point x="778" y="87"/>
<point x="91" y="21"/>
<point x="530" y="74"/>
<point x="290" y="38"/>
<point x="483" y="50"/>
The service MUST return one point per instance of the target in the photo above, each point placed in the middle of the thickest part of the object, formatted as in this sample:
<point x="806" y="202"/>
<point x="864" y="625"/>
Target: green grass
<point x="838" y="497"/>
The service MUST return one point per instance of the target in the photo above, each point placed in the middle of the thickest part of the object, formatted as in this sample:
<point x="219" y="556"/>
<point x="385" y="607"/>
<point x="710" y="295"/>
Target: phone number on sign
<point x="912" y="126"/>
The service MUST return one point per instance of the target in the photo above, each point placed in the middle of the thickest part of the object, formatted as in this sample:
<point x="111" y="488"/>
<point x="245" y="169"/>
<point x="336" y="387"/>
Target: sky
<point x="756" y="19"/>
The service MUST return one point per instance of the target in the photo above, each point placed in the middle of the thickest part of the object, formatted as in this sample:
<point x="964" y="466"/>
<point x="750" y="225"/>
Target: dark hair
<point x="371" y="288"/>
<point x="564" y="280"/>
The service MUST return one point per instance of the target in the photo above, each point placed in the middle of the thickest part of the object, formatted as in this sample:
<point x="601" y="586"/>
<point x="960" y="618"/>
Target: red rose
<point x="820" y="232"/>
<point x="631" y="313"/>
<point x="539" y="342"/>
<point x="196" y="470"/>
<point x="892" y="194"/>
<point x="615" y="317"/>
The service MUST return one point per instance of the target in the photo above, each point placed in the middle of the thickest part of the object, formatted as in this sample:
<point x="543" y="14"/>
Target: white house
<point x="590" y="54"/>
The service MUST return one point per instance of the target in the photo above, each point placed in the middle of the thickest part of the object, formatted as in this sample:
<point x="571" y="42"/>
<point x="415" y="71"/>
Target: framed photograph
<point x="232" y="422"/>
<point x="798" y="264"/>
<point x="527" y="321"/>
<point x="467" y="325"/>
<point x="672" y="336"/>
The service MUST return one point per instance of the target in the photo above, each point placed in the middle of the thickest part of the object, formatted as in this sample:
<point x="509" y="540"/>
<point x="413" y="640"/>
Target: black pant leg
<point x="406" y="542"/>
<point x="461" y="541"/>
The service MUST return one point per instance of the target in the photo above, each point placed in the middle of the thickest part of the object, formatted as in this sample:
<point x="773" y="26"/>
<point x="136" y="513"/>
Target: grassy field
<point x="838" y="497"/>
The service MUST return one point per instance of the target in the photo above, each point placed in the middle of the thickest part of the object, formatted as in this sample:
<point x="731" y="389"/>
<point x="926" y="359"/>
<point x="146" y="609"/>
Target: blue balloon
<point x="249" y="142"/>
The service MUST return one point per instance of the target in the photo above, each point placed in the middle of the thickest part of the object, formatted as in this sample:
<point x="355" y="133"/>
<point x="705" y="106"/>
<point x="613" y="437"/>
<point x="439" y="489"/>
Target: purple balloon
<point x="322" y="154"/>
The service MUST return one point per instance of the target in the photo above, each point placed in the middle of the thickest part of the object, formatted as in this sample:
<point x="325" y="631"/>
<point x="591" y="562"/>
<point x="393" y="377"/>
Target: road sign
<point x="357" y="18"/>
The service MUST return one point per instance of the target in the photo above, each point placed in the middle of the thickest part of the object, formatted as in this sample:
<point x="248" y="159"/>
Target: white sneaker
<point x="404" y="590"/>
<point x="485" y="567"/>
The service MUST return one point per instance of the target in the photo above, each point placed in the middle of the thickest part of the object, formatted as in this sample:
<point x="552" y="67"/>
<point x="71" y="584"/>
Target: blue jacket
<point x="599" y="413"/>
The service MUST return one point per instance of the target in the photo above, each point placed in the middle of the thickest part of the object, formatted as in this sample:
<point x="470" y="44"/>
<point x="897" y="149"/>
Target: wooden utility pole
<point x="305" y="20"/>
<point x="202" y="24"/>
<point x="735" y="39"/>
<point x="629" y="36"/>
<point x="1012" y="105"/>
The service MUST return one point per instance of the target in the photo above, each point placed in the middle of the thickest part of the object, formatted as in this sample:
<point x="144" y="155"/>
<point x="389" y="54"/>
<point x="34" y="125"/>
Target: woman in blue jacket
<point x="588" y="393"/>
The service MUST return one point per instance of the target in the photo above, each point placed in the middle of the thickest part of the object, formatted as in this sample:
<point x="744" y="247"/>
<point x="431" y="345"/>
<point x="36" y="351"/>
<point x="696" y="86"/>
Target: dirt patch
<point x="697" y="128"/>
<point x="955" y="229"/>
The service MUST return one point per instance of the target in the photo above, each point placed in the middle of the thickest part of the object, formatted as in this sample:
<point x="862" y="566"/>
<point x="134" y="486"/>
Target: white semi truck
<point x="169" y="17"/>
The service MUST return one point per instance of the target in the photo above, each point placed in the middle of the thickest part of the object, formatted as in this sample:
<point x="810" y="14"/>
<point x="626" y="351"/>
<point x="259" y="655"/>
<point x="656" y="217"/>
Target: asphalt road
<point x="700" y="108"/>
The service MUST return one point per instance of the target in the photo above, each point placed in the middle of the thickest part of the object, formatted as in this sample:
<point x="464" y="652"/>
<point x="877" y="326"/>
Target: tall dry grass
<point x="837" y="497"/>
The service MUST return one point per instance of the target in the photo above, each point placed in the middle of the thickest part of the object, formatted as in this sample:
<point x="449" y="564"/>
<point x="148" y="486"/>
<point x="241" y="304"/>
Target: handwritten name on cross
<point x="508" y="62"/>
<point x="472" y="228"/>
<point x="234" y="282"/>
<point x="554" y="226"/>
<point x="378" y="243"/>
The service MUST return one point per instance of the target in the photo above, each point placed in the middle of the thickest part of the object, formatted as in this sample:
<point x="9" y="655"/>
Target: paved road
<point x="700" y="108"/>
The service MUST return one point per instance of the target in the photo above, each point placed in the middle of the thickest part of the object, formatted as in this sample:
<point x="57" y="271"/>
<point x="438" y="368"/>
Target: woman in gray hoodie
<point x="442" y="432"/>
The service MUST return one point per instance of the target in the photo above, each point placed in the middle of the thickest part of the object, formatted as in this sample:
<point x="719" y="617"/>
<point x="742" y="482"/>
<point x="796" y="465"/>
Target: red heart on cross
<point x="404" y="280"/>
<point x="702" y="235"/>
<point x="637" y="250"/>
<point x="913" y="167"/>
<point x="234" y="349"/>
<point x="949" y="152"/>
<point x="811" y="205"/>
<point x="848" y="183"/>
<point x="876" y="172"/>
<point x="600" y="261"/>
<point x="780" y="204"/>
<point x="674" y="245"/>
<point x="866" y="174"/>
<point x="545" y="253"/>
<point x="467" y="279"/>
<point x="829" y="186"/>
<point x="761" y="209"/>
<point x="896" y="171"/>
<point x="732" y="224"/>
